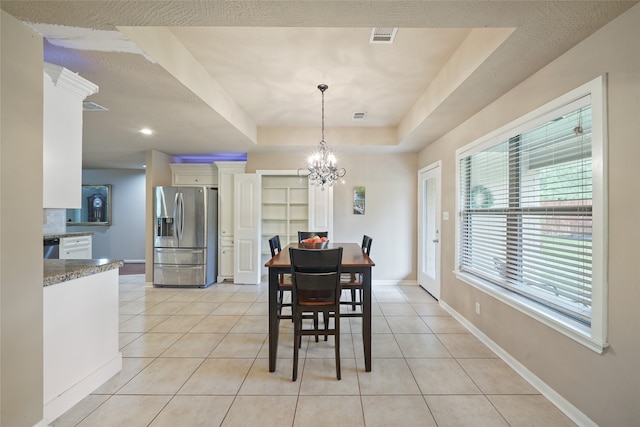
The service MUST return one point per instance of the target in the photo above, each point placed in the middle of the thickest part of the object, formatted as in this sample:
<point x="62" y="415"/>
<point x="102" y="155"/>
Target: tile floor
<point x="199" y="357"/>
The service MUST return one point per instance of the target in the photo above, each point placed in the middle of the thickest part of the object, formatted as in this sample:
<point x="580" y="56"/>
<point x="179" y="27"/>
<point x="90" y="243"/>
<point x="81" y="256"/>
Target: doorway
<point x="429" y="229"/>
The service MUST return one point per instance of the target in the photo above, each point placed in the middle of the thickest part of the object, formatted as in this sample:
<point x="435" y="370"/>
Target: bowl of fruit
<point x="315" y="242"/>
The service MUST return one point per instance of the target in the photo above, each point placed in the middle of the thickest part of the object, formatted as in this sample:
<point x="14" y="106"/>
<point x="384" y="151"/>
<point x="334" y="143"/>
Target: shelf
<point x="285" y="206"/>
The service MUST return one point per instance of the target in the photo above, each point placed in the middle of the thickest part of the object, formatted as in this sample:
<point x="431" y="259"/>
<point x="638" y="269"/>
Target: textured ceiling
<point x="241" y="76"/>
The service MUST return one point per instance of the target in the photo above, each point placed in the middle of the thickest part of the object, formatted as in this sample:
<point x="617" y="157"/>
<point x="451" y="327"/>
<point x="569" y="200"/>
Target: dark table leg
<point x="274" y="323"/>
<point x="366" y="318"/>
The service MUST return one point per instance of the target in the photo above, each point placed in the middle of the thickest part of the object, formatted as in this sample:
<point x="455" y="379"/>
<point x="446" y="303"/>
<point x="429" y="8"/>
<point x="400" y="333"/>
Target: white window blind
<point x="526" y="211"/>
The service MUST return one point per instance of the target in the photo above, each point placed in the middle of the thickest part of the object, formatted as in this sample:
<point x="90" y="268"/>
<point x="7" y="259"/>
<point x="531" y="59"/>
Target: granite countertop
<point x="63" y="270"/>
<point x="68" y="234"/>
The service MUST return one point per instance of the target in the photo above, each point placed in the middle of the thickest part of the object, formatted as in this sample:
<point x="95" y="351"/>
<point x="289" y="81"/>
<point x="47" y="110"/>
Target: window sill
<point x="571" y="329"/>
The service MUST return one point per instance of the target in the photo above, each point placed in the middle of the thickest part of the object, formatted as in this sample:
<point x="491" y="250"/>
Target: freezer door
<point x="179" y="256"/>
<point x="179" y="275"/>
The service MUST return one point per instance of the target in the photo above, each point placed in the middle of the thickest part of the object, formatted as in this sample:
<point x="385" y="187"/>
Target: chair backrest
<point x="306" y="234"/>
<point x="274" y="245"/>
<point x="315" y="275"/>
<point x="366" y="244"/>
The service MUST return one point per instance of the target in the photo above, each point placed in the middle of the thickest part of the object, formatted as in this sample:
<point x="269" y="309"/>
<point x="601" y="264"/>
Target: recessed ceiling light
<point x="146" y="131"/>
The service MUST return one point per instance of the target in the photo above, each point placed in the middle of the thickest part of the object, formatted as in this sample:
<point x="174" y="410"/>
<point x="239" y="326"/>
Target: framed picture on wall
<point x="96" y="206"/>
<point x="358" y="200"/>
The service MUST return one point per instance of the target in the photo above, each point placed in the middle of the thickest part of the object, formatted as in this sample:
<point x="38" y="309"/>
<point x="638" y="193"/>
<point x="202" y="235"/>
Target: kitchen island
<point x="80" y="315"/>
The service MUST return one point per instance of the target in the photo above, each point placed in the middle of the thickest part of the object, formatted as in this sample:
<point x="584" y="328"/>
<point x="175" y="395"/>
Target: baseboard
<point x="134" y="261"/>
<point x="560" y="402"/>
<point x="394" y="282"/>
<point x="67" y="399"/>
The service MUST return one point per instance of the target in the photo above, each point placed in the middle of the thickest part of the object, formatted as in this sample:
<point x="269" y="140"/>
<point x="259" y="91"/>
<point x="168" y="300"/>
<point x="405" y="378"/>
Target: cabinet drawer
<point x="226" y="242"/>
<point x="75" y="242"/>
<point x="179" y="275"/>
<point x="179" y="256"/>
<point x="78" y="252"/>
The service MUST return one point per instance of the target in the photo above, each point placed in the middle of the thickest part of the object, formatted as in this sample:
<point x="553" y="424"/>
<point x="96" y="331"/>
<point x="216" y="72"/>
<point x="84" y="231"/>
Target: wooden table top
<point x="352" y="255"/>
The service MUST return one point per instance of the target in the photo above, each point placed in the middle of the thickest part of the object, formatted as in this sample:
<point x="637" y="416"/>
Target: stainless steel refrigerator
<point x="185" y="248"/>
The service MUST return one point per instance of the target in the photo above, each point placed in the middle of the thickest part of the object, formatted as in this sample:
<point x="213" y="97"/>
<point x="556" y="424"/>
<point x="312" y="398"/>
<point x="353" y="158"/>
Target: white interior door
<point x="429" y="229"/>
<point x="321" y="209"/>
<point x="246" y="259"/>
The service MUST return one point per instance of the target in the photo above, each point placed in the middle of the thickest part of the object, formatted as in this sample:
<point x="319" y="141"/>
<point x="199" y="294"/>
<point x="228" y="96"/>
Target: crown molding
<point x="69" y="81"/>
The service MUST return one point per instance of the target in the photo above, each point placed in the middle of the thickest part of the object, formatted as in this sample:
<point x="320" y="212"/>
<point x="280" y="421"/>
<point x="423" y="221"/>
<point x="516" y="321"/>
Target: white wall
<point x="125" y="237"/>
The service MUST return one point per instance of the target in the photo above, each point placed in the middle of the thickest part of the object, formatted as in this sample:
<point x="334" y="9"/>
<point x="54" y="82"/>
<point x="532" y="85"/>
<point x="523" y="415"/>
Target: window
<point x="527" y="214"/>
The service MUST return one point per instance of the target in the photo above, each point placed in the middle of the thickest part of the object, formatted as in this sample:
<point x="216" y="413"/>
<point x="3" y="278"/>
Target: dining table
<point x="354" y="260"/>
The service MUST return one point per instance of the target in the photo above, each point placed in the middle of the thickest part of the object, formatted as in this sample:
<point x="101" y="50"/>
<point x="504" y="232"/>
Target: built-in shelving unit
<point x="285" y="209"/>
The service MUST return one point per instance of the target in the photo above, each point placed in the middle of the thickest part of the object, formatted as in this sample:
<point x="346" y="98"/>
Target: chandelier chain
<point x="322" y="89"/>
<point x="322" y="165"/>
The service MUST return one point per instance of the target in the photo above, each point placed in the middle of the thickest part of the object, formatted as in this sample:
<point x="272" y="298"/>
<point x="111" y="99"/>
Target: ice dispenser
<point x="165" y="227"/>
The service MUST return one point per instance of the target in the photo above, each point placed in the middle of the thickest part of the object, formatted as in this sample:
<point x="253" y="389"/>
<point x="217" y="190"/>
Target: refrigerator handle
<point x="176" y="219"/>
<point x="181" y="221"/>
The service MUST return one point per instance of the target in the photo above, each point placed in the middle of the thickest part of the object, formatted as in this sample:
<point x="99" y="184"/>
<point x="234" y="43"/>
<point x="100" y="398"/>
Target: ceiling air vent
<point x="92" y="106"/>
<point x="359" y="116"/>
<point x="384" y="35"/>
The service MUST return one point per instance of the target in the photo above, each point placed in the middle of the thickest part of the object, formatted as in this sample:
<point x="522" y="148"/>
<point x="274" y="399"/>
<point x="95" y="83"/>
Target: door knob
<point x="435" y="240"/>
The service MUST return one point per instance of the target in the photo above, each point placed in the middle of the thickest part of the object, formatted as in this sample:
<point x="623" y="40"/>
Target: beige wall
<point x="606" y="387"/>
<point x="390" y="216"/>
<point x="20" y="224"/>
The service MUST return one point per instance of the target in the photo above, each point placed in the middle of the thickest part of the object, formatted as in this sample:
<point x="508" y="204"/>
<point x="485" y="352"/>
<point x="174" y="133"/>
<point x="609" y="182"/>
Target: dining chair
<point x="315" y="289"/>
<point x="352" y="281"/>
<point x="284" y="280"/>
<point x="306" y="234"/>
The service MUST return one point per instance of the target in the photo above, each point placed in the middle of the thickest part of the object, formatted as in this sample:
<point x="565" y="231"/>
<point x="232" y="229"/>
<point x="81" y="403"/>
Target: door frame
<point x="433" y="171"/>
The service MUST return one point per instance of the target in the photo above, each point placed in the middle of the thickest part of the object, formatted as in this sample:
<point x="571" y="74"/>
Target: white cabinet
<point x="76" y="247"/>
<point x="80" y="349"/>
<point x="183" y="174"/>
<point x="285" y="210"/>
<point x="226" y="171"/>
<point x="225" y="266"/>
<point x="63" y="93"/>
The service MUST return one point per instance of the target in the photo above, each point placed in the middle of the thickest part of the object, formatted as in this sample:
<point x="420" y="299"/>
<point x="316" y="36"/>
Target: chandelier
<point x="322" y="166"/>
